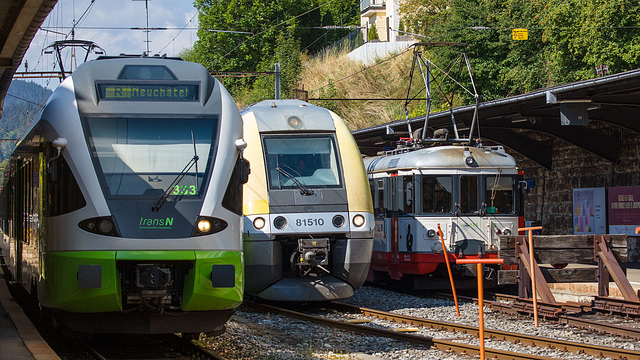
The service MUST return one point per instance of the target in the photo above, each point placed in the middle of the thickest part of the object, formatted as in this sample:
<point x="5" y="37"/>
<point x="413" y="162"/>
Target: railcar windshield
<point x="469" y="203"/>
<point x="141" y="157"/>
<point x="499" y="194"/>
<point x="437" y="194"/>
<point x="310" y="160"/>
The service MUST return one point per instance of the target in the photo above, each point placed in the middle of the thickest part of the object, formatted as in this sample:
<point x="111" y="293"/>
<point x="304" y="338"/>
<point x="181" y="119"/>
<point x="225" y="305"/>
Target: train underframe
<point x="428" y="271"/>
<point x="290" y="268"/>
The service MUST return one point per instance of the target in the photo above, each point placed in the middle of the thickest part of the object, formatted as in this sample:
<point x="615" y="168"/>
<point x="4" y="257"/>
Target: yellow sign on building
<point x="520" y="34"/>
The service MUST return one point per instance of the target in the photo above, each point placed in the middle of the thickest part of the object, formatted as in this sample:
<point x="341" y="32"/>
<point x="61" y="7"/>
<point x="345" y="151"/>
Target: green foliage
<point x="289" y="57"/>
<point x="567" y="39"/>
<point x="373" y="33"/>
<point x="330" y="93"/>
<point x="18" y="113"/>
<point x="299" y="21"/>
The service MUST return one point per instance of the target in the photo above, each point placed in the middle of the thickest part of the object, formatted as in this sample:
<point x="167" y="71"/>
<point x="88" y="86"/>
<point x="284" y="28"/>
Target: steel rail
<point x="442" y="345"/>
<point x="571" y="320"/>
<point x="589" y="349"/>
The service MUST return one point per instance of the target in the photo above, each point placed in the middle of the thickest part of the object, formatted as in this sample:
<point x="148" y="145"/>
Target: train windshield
<point x="437" y="194"/>
<point x="141" y="157"/>
<point x="499" y="194"/>
<point x="309" y="160"/>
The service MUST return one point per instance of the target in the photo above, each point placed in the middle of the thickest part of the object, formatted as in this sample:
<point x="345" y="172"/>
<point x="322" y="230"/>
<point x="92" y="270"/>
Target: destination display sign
<point x="148" y="92"/>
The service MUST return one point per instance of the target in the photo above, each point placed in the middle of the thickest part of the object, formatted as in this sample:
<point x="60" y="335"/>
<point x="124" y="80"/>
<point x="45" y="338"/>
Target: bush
<point x="373" y="33"/>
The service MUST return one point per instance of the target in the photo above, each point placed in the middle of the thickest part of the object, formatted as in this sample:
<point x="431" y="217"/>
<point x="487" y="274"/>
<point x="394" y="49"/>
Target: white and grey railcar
<point x="471" y="192"/>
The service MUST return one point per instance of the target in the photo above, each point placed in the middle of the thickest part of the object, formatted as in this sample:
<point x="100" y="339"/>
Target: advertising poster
<point x="589" y="211"/>
<point x="624" y="210"/>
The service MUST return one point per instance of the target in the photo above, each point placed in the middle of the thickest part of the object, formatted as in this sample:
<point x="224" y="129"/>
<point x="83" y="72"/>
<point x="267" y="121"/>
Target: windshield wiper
<point x="303" y="189"/>
<point x="176" y="181"/>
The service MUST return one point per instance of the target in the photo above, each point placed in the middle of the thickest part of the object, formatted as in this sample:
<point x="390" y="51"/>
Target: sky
<point x="108" y="23"/>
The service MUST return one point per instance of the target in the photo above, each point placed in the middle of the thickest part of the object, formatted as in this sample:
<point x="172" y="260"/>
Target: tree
<point x="567" y="39"/>
<point x="264" y="21"/>
<point x="289" y="57"/>
<point x="373" y="33"/>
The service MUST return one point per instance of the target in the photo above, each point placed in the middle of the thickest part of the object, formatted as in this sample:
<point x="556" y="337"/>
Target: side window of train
<point x="407" y="199"/>
<point x="469" y="194"/>
<point x="63" y="193"/>
<point x="437" y="194"/>
<point x="499" y="194"/>
<point x="379" y="210"/>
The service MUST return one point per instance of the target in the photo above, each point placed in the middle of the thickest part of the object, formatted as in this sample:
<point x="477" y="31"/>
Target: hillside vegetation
<point x="336" y="76"/>
<point x="20" y="107"/>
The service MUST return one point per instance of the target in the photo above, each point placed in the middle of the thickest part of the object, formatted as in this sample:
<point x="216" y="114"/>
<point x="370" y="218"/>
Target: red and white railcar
<point x="471" y="192"/>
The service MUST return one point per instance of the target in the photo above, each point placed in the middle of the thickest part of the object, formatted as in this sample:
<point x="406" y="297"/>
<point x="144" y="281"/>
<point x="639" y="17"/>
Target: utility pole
<point x="277" y="81"/>
<point x="146" y="29"/>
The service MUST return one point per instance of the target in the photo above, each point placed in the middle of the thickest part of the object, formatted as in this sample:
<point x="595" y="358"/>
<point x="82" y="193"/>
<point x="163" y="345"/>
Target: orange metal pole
<point x="479" y="274"/>
<point x="481" y="308"/>
<point x="533" y="279"/>
<point x="446" y="259"/>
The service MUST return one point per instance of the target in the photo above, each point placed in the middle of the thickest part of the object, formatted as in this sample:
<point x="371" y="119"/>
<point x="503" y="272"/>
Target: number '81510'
<point x="184" y="190"/>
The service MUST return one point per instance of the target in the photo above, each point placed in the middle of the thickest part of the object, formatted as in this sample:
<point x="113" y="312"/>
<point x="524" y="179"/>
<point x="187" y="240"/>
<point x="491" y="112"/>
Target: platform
<point x="19" y="339"/>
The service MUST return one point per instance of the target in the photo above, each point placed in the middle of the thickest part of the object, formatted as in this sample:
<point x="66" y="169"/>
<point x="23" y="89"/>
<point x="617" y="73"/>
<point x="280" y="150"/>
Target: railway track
<point x="595" y="350"/>
<point x="103" y="347"/>
<point x="443" y="345"/>
<point x="576" y="319"/>
<point x="147" y="347"/>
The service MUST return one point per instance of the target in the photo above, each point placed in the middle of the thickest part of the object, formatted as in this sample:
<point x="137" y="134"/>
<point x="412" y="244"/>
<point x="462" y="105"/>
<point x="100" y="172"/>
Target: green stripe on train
<point x="58" y="287"/>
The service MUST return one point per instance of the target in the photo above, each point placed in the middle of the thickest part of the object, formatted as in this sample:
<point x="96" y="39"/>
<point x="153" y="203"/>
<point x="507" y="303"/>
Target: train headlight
<point x="105" y="226"/>
<point x="469" y="161"/>
<point x="280" y="222"/>
<point x="294" y="122"/>
<point x="436" y="247"/>
<point x="204" y="226"/>
<point x="338" y="221"/>
<point x="506" y="232"/>
<point x="258" y="223"/>
<point x="358" y="220"/>
<point x="431" y="233"/>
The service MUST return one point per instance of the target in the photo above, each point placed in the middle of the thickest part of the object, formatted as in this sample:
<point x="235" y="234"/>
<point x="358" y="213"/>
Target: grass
<point x="336" y="76"/>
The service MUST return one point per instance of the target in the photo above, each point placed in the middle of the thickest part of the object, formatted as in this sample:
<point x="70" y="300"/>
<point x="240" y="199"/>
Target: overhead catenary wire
<point x="25" y="100"/>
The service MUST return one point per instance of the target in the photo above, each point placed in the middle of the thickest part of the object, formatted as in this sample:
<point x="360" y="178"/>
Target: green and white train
<point x="122" y="203"/>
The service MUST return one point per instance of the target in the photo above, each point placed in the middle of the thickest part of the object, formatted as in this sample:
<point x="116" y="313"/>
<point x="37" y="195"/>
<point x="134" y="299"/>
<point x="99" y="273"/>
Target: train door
<point x="500" y="199"/>
<point x="407" y="226"/>
<point x="468" y="235"/>
<point x="391" y="201"/>
<point x="380" y="243"/>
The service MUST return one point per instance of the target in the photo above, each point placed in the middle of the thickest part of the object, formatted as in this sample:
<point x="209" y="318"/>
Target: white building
<point x="384" y="14"/>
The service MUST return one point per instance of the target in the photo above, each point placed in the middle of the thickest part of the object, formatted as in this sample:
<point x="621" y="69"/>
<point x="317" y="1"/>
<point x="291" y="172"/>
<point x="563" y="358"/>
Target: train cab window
<point x="469" y="194"/>
<point x="307" y="160"/>
<point x="437" y="194"/>
<point x="499" y="194"/>
<point x="141" y="157"/>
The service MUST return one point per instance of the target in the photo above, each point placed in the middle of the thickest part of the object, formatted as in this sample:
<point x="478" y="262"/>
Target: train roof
<point x="290" y="115"/>
<point x="442" y="157"/>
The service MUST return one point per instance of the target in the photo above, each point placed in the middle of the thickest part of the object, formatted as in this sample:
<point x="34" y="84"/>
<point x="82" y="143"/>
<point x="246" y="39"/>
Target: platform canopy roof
<point x="19" y="22"/>
<point x="517" y="122"/>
